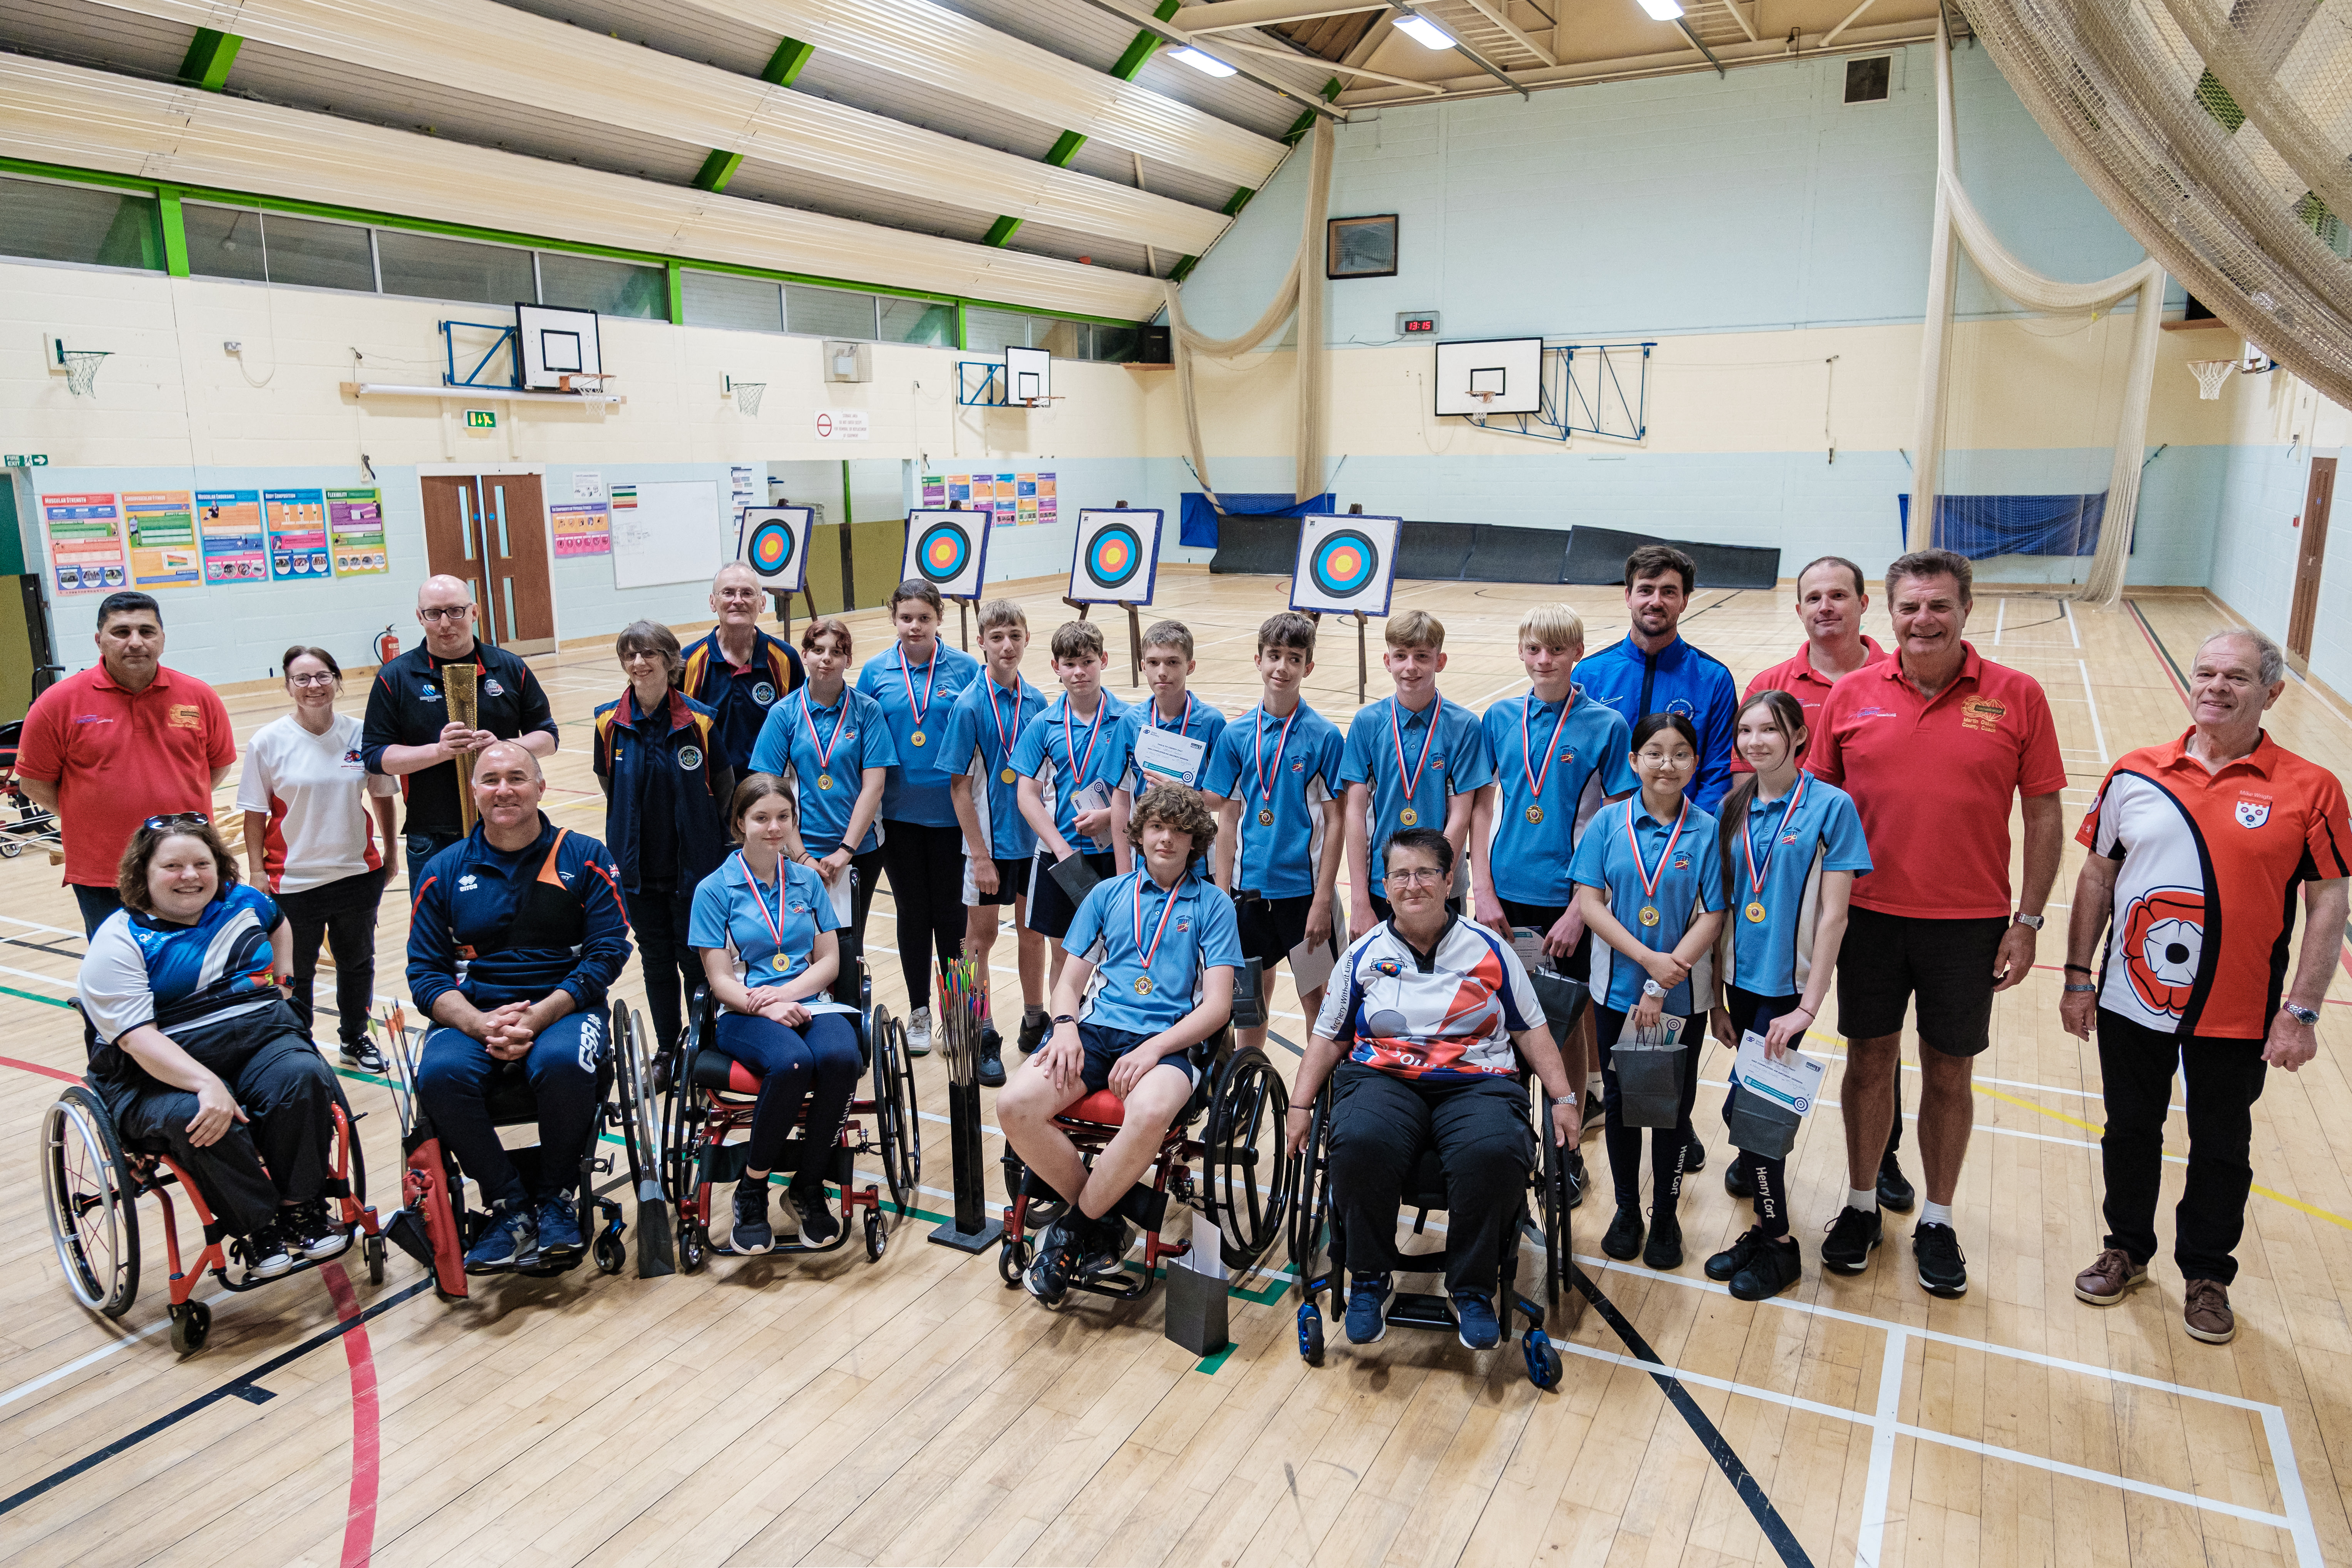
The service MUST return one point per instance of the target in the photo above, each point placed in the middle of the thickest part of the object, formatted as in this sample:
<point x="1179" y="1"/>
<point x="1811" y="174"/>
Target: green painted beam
<point x="1240" y="199"/>
<point x="1305" y="121"/>
<point x="962" y="329"/>
<point x="675" y="276"/>
<point x="717" y="170"/>
<point x="783" y="69"/>
<point x="1065" y="146"/>
<point x="210" y="55"/>
<point x="1001" y="230"/>
<point x="175" y="231"/>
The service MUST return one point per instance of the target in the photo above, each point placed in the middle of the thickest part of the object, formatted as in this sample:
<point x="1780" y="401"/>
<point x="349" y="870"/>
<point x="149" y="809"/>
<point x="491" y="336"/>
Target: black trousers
<point x="1771" y="1177"/>
<point x="282" y="1085"/>
<point x="2224" y="1080"/>
<point x="866" y="869"/>
<point x="1380" y="1125"/>
<point x="421" y="849"/>
<point x="1668" y="1145"/>
<point x="96" y="904"/>
<point x="926" y="867"/>
<point x="658" y="918"/>
<point x="343" y="913"/>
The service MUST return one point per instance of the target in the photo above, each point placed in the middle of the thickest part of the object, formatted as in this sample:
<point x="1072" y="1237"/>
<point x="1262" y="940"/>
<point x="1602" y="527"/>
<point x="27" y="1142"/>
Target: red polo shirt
<point x="2205" y="893"/>
<point x="1932" y="780"/>
<point x="118" y="758"/>
<point x="1800" y="680"/>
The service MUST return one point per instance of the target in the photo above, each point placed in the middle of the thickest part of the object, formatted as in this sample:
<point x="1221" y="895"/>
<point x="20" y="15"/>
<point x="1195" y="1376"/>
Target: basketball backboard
<point x="1490" y="375"/>
<point x="1028" y="376"/>
<point x="553" y="343"/>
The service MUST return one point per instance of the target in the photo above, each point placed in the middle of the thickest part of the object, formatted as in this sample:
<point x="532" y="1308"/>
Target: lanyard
<point x="1536" y="776"/>
<point x="1183" y="729"/>
<point x="1069" y="747"/>
<point x="930" y="684"/>
<point x="824" y="749"/>
<point x="1166" y="910"/>
<point x="1772" y="839"/>
<point x="1257" y="750"/>
<point x="1649" y="878"/>
<point x="1396" y="733"/>
<point x="775" y="923"/>
<point x="1004" y="738"/>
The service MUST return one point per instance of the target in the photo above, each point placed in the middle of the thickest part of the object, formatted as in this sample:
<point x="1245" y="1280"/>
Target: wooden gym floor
<point x="918" y="1411"/>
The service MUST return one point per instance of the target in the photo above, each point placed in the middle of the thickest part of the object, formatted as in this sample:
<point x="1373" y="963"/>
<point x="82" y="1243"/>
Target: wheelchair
<point x="1245" y="1185"/>
<point x="711" y="1100"/>
<point x="1315" y="1230"/>
<point x="434" y="1227"/>
<point x="93" y="1183"/>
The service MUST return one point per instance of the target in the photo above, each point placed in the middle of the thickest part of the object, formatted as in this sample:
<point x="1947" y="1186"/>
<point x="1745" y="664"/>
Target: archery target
<point x="947" y="550"/>
<point x="1117" y="555"/>
<point x="1345" y="563"/>
<point x="775" y="545"/>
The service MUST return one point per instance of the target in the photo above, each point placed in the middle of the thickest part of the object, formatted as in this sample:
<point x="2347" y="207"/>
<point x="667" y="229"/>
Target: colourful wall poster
<point x="1048" y="503"/>
<point x="355" y="534"/>
<point x="1011" y="498"/>
<point x="161" y="527"/>
<point x="85" y="533"/>
<point x="935" y="490"/>
<point x="298" y="534"/>
<point x="228" y="530"/>
<point x="582" y="529"/>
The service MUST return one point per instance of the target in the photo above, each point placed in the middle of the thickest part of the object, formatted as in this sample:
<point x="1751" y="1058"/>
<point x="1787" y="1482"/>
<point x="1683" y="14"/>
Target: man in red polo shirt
<point x="1932" y="745"/>
<point x="2197" y="848"/>
<point x="122" y="740"/>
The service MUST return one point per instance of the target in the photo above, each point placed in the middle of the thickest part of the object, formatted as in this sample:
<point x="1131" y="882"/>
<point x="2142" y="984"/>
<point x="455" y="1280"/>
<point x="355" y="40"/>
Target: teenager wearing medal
<point x="1647" y="883"/>
<point x="1152" y="976"/>
<point x="1000" y="848"/>
<point x="1273" y="784"/>
<point x="1790" y="848"/>
<point x="1074" y="740"/>
<point x="1413" y="760"/>
<point x="916" y="685"/>
<point x="1167" y="660"/>
<point x="1559" y="757"/>
<point x="766" y="931"/>
<point x="832" y="745"/>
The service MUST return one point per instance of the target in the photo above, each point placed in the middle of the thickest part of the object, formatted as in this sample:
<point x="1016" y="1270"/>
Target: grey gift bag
<point x="1650" y="1064"/>
<point x="1761" y="1126"/>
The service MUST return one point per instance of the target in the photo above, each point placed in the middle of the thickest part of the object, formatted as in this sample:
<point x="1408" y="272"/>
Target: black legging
<point x="926" y="867"/>
<point x="1751" y="1012"/>
<point x="1667" y="1145"/>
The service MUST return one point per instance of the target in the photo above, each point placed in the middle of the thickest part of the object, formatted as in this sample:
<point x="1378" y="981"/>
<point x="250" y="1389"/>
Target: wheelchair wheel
<point x="10" y="848"/>
<point x="902" y="1124"/>
<point x="609" y="1253"/>
<point x="641" y="1126"/>
<point x="1249" y="1180"/>
<point x="92" y="1202"/>
<point x="1544" y="1365"/>
<point x="874" y="1241"/>
<point x="693" y="1250"/>
<point x="1553" y="1201"/>
<point x="1310" y="1192"/>
<point x="191" y="1326"/>
<point x="373" y="1249"/>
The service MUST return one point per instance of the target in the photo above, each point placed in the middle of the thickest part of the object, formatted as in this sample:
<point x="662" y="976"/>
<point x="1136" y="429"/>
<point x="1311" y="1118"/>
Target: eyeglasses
<point x="1415" y="875"/>
<point x="175" y="819"/>
<point x="739" y="596"/>
<point x="322" y="679"/>
<point x="451" y="613"/>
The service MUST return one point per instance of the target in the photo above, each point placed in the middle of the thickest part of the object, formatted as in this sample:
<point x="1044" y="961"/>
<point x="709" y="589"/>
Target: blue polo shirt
<point x="1811" y="829"/>
<point x="1590" y="748"/>
<point x="1457" y="763"/>
<point x="983" y="737"/>
<point x="664" y="821"/>
<point x="1201" y="934"/>
<point x="1201" y="722"/>
<point x="733" y="908"/>
<point x="919" y="702"/>
<point x="1044" y="751"/>
<point x="1691" y="882"/>
<point x="854" y="738"/>
<point x="1301" y="771"/>
<point x="741" y="694"/>
<point x="1677" y="679"/>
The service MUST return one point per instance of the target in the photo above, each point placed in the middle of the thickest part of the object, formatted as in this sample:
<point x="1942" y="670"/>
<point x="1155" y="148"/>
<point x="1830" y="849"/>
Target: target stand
<point x="1115" y="554"/>
<point x="1347" y="566"/>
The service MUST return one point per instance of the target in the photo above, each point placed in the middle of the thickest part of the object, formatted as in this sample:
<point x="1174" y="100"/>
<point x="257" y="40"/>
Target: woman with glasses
<point x="319" y="835"/>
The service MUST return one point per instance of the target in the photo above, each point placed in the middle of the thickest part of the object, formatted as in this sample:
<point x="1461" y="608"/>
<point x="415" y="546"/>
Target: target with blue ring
<point x="1344" y="563"/>
<point x="941" y="551"/>
<point x="775" y="545"/>
<point x="949" y="550"/>
<point x="1116" y="558"/>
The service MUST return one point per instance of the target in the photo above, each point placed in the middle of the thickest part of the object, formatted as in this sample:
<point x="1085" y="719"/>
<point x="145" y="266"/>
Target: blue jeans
<point x="453" y="1080"/>
<point x="816" y="1065"/>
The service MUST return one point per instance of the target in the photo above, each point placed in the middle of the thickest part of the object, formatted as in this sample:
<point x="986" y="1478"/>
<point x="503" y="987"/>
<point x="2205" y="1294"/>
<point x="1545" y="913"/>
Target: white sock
<point x="1936" y="1214"/>
<point x="1863" y="1199"/>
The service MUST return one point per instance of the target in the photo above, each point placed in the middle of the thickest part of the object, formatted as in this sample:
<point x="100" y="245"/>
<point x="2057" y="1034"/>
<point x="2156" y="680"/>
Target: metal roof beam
<point x="1226" y="16"/>
<point x="210" y="55"/>
<point x="1182" y="39"/>
<point x="783" y="68"/>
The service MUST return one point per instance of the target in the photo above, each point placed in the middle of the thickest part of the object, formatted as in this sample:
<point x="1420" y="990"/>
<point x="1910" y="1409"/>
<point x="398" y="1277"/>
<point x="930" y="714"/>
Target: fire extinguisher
<point x="387" y="647"/>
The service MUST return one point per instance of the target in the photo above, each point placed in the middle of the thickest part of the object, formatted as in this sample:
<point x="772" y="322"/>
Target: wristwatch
<point x="2307" y="1017"/>
<point x="2031" y="922"/>
<point x="1652" y="988"/>
<point x="1062" y="1019"/>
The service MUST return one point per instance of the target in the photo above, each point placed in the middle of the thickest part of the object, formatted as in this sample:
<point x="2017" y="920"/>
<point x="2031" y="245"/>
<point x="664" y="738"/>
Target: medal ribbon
<point x="1257" y="750"/>
<point x="1649" y="878"/>
<point x="1772" y="840"/>
<point x="930" y="684"/>
<point x="1004" y="738"/>
<point x="824" y="749"/>
<point x="1536" y="776"/>
<point x="775" y="923"/>
<point x="1396" y="733"/>
<point x="1070" y="748"/>
<point x="1169" y="909"/>
<point x="1183" y="729"/>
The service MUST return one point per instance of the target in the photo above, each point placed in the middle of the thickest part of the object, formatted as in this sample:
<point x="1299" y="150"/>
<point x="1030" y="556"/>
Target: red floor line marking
<point x="367" y="1444"/>
<point x="45" y="1072"/>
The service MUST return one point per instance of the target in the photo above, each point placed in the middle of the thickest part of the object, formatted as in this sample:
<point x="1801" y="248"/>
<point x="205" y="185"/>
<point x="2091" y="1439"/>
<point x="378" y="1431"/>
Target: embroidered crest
<point x="492" y="688"/>
<point x="1389" y="967"/>
<point x="1983" y="713"/>
<point x="183" y="716"/>
<point x="428" y="692"/>
<point x="764" y="693"/>
<point x="690" y="758"/>
<point x="2253" y="813"/>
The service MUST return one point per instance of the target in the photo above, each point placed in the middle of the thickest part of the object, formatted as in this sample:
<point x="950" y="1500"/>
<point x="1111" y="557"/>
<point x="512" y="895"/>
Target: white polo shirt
<point x="314" y="789"/>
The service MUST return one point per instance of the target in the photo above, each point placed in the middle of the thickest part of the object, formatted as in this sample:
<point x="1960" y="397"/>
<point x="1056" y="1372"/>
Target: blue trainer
<point x="511" y="1233"/>
<point x="1367" y="1309"/>
<point x="1474" y="1321"/>
<point x="558" y="1227"/>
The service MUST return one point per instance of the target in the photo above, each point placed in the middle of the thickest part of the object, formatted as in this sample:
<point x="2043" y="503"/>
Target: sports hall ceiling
<point x="1055" y="153"/>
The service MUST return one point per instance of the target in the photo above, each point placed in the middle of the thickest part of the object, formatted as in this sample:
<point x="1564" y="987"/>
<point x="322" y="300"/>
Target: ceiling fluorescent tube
<point x="1429" y="34"/>
<point x="1663" y="10"/>
<point x="1207" y="64"/>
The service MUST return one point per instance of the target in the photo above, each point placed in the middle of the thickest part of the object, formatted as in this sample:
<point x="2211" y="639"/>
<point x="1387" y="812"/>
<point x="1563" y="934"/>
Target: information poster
<point x="162" y="530"/>
<point x="84" y="535"/>
<point x="582" y="528"/>
<point x="298" y="534"/>
<point x="1012" y="499"/>
<point x="355" y="534"/>
<point x="228" y="530"/>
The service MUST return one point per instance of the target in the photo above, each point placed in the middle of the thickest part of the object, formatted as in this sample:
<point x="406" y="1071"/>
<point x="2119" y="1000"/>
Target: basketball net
<point x="82" y="369"/>
<point x="2211" y="373"/>
<point x="746" y="397"/>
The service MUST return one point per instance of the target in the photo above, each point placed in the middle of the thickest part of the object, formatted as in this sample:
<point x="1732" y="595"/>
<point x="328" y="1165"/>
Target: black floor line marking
<point x="1286" y="1045"/>
<point x="1743" y="1482"/>
<point x="244" y="1386"/>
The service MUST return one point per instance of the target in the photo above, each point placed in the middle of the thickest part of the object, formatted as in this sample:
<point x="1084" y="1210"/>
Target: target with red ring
<point x="771" y="548"/>
<point x="1344" y="563"/>
<point x="942" y="550"/>
<point x="1114" y="556"/>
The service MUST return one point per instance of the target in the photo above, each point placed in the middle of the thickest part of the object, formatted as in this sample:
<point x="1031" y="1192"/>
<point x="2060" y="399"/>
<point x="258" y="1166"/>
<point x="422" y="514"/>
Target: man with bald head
<point x="535" y="913"/>
<point x="739" y="671"/>
<point x="410" y="733"/>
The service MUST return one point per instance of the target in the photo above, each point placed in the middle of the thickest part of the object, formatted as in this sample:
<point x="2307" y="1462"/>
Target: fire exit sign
<point x="481" y="418"/>
<point x="27" y="459"/>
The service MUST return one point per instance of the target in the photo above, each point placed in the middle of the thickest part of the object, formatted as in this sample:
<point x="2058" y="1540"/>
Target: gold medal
<point x="1007" y="775"/>
<point x="1143" y="986"/>
<point x="824" y="781"/>
<point x="1265" y="817"/>
<point x="1408" y="816"/>
<point x="1649" y="914"/>
<point x="1535" y="813"/>
<point x="916" y="739"/>
<point x="1755" y="913"/>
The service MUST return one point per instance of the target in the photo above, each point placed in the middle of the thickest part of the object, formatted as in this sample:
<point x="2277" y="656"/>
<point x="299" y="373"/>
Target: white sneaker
<point x="919" y="1032"/>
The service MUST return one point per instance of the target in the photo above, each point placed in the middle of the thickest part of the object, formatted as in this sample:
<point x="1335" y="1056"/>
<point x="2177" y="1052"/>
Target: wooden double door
<point x="490" y="530"/>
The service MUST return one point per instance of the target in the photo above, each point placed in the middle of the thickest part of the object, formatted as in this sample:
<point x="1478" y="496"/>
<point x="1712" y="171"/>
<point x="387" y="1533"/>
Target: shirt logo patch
<point x="1389" y="967"/>
<point x="1983" y="713"/>
<point x="1184" y="923"/>
<point x="354" y="756"/>
<point x="183" y="716"/>
<point x="690" y="758"/>
<point x="466" y="884"/>
<point x="2253" y="813"/>
<point x="764" y="693"/>
<point x="1299" y="766"/>
<point x="1874" y="712"/>
<point x="799" y="906"/>
<point x="1439" y="763"/>
<point x="2162" y="944"/>
<point x="492" y="688"/>
<point x="428" y="693"/>
<point x="1681" y="862"/>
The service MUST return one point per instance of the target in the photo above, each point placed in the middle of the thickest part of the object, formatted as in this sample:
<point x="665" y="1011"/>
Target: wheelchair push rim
<point x="1247" y="1117"/>
<point x="1310" y="1193"/>
<point x="92" y="1202"/>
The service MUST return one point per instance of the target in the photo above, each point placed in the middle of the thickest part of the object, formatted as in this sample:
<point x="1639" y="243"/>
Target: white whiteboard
<point x="676" y="533"/>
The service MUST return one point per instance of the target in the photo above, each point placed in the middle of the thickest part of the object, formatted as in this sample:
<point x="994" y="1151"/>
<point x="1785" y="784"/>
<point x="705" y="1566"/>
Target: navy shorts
<point x="1541" y="917"/>
<point x="1012" y="882"/>
<point x="1104" y="1046"/>
<point x="1050" y="909"/>
<point x="1270" y="928"/>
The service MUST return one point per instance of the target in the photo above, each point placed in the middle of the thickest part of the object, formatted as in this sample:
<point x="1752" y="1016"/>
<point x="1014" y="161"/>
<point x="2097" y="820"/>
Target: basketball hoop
<point x="1485" y="399"/>
<point x="2211" y="373"/>
<point x="593" y="389"/>
<point x="82" y="369"/>
<point x="746" y="397"/>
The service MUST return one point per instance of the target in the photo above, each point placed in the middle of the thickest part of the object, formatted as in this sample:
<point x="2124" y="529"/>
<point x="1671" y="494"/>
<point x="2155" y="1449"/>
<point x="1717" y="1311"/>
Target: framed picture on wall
<point x="1361" y="247"/>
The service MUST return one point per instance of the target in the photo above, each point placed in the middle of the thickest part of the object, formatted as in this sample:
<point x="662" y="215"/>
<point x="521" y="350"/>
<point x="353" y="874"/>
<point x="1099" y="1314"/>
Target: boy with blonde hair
<point x="1413" y="760"/>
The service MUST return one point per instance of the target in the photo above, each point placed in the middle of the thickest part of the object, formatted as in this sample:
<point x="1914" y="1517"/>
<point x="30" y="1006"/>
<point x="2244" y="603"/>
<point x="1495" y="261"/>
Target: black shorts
<point x="1012" y="882"/>
<point x="1104" y="1046"/>
<point x="1050" y="909"/>
<point x="1886" y="960"/>
<point x="1270" y="928"/>
<point x="1541" y="917"/>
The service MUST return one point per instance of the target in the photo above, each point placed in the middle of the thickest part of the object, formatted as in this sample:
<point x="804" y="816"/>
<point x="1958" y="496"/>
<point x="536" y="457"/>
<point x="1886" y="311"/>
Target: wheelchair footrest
<point x="1419" y="1310"/>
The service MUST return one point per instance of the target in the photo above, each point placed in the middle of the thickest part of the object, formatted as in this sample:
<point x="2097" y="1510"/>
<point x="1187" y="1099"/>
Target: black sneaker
<point x="751" y="1232"/>
<point x="664" y="1068"/>
<point x="1100" y="1246"/>
<point x="363" y="1056"/>
<point x="1665" y="1251"/>
<point x="1942" y="1267"/>
<point x="1032" y="1031"/>
<point x="1736" y="1256"/>
<point x="1047" y="1278"/>
<point x="992" y="1058"/>
<point x="1776" y="1266"/>
<point x="1852" y="1237"/>
<point x="1894" y="1187"/>
<point x="1625" y="1236"/>
<point x="1739" y="1179"/>
<point x="264" y="1253"/>
<point x="310" y="1231"/>
<point x="1694" y="1155"/>
<point x="817" y="1224"/>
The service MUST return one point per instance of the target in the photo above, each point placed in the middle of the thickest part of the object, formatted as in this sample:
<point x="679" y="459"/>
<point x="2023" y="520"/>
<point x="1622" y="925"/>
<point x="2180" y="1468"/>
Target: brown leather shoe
<point x="2110" y="1277"/>
<point x="2206" y="1314"/>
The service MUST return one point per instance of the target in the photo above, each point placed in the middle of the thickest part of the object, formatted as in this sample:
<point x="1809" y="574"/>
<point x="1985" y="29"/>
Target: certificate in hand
<point x="1795" y="1083"/>
<point x="1164" y="754"/>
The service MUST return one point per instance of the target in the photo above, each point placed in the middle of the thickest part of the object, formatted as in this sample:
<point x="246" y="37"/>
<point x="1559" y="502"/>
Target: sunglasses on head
<point x="175" y="819"/>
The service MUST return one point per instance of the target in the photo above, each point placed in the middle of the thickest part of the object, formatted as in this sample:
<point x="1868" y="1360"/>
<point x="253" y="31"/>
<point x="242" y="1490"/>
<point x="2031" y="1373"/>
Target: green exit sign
<point x="27" y="459"/>
<point x="481" y="418"/>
